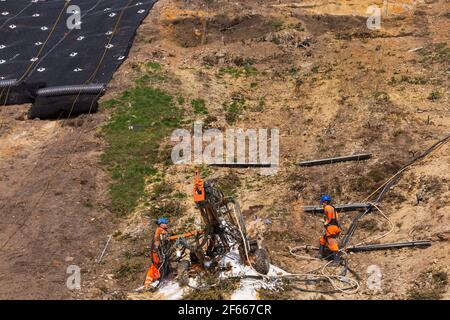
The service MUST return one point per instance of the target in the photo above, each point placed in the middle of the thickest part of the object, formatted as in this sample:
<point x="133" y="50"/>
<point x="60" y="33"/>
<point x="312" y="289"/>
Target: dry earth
<point x="330" y="85"/>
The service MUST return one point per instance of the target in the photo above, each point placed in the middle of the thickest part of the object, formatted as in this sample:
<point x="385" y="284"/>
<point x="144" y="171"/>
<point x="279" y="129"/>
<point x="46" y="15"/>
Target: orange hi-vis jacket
<point x="331" y="217"/>
<point x="153" y="272"/>
<point x="332" y="229"/>
<point x="157" y="238"/>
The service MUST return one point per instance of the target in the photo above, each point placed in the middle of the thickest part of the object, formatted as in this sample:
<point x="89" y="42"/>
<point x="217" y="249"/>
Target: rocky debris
<point x="224" y="58"/>
<point x="289" y="38"/>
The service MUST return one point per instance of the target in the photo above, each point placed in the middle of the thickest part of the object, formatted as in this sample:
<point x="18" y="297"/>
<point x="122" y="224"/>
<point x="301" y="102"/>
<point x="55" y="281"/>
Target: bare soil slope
<point x="311" y="69"/>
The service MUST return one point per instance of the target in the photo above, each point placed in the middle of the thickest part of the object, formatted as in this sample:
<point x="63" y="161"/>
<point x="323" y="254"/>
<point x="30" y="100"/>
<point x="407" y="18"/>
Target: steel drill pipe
<point x="355" y="157"/>
<point x="339" y="207"/>
<point x="241" y="165"/>
<point x="397" y="245"/>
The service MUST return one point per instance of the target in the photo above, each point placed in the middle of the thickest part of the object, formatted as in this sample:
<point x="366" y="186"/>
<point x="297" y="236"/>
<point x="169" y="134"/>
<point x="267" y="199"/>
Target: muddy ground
<point x="329" y="84"/>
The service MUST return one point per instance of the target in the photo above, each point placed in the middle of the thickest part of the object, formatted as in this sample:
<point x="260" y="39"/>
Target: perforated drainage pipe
<point x="70" y="90"/>
<point x="8" y="83"/>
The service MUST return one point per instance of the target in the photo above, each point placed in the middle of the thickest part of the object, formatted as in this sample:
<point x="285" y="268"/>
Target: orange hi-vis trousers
<point x="153" y="272"/>
<point x="329" y="238"/>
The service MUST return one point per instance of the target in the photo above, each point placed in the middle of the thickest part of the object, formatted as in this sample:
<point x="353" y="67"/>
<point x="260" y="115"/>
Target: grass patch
<point x="222" y="291"/>
<point x="407" y="79"/>
<point x="229" y="184"/>
<point x="237" y="72"/>
<point x="276" y="24"/>
<point x="128" y="271"/>
<point x="234" y="108"/>
<point x="199" y="106"/>
<point x="132" y="154"/>
<point x="436" y="53"/>
<point x="434" y="95"/>
<point x="152" y="74"/>
<point x="166" y="201"/>
<point x="381" y="96"/>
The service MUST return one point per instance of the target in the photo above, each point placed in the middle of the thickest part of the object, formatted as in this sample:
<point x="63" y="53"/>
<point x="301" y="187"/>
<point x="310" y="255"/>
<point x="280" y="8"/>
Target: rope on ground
<point x="383" y="235"/>
<point x="331" y="278"/>
<point x="310" y="276"/>
<point x="384" y="188"/>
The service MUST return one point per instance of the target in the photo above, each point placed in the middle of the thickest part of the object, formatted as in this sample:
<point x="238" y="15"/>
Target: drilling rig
<point x="223" y="229"/>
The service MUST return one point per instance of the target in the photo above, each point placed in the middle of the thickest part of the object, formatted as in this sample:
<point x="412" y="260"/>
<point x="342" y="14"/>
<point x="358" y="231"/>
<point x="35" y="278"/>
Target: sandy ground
<point x="49" y="180"/>
<point x="326" y="83"/>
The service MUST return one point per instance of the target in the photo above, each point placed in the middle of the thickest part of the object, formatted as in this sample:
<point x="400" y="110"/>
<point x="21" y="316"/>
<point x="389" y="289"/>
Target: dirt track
<point x="52" y="194"/>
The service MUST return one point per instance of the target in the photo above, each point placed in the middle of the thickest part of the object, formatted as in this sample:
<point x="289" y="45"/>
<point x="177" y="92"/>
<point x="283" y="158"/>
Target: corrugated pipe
<point x="70" y="90"/>
<point x="8" y="83"/>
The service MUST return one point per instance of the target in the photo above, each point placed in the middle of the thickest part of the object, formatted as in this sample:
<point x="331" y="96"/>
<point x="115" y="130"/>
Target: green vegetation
<point x="434" y="95"/>
<point x="438" y="52"/>
<point x="229" y="184"/>
<point x="297" y="26"/>
<point x="234" y="108"/>
<point x="223" y="290"/>
<point x="381" y="96"/>
<point x="411" y="80"/>
<point x="161" y="190"/>
<point x="152" y="74"/>
<point x="132" y="153"/>
<point x="166" y="201"/>
<point x="128" y="271"/>
<point x="293" y="71"/>
<point x="154" y="66"/>
<point x="181" y="100"/>
<point x="237" y="72"/>
<point x="260" y="105"/>
<point x="199" y="106"/>
<point x="276" y="24"/>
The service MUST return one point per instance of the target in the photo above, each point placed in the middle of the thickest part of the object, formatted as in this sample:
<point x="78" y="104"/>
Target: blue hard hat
<point x="324" y="198"/>
<point x="162" y="221"/>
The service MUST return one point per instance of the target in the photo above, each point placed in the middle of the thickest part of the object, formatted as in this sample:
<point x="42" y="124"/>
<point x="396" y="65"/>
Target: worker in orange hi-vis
<point x="154" y="273"/>
<point x="332" y="230"/>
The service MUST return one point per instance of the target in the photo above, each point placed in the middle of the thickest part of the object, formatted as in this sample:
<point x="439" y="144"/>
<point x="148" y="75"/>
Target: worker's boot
<point x="321" y="251"/>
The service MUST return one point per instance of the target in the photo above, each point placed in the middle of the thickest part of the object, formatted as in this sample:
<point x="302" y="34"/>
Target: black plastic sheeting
<point x="40" y="49"/>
